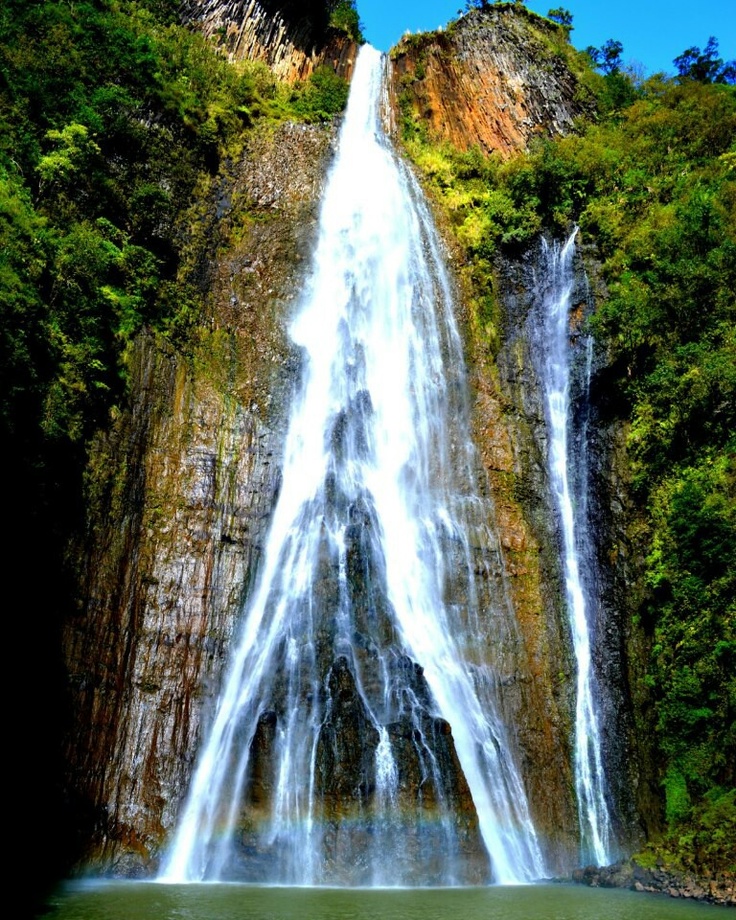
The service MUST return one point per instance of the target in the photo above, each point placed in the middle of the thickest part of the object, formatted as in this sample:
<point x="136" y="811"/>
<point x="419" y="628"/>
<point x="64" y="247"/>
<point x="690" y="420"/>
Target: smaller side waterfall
<point x="556" y="287"/>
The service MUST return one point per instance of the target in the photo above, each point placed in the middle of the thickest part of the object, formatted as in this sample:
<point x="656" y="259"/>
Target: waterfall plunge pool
<point x="215" y="901"/>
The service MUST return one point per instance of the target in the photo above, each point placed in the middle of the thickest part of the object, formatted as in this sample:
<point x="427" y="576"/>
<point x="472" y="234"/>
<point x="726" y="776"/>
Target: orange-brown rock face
<point x="246" y="30"/>
<point x="491" y="79"/>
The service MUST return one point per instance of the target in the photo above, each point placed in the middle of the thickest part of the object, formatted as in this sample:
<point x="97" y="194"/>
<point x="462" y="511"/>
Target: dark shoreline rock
<point x="717" y="888"/>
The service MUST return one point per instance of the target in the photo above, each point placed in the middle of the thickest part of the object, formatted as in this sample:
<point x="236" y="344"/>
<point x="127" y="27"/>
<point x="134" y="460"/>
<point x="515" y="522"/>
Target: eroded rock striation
<point x="181" y="489"/>
<point x="292" y="39"/>
<point x="493" y="79"/>
<point x="183" y="484"/>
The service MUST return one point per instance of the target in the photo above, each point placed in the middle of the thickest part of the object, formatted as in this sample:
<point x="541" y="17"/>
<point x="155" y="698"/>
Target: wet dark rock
<point x="716" y="889"/>
<point x="346" y="747"/>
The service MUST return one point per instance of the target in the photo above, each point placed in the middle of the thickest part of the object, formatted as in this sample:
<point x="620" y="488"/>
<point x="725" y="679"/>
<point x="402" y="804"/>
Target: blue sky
<point x="653" y="32"/>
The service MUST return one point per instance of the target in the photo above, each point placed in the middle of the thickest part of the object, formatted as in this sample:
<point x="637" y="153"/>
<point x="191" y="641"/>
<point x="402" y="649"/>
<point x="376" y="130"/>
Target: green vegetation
<point x="320" y="98"/>
<point x="705" y="66"/>
<point x="344" y="16"/>
<point x="652" y="181"/>
<point x="112" y="120"/>
<point x="561" y="16"/>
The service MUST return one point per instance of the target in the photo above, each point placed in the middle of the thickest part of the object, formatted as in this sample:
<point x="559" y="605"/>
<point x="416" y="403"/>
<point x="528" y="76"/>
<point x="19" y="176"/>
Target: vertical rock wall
<point x="508" y="421"/>
<point x="595" y="442"/>
<point x="180" y="494"/>
<point x="182" y="486"/>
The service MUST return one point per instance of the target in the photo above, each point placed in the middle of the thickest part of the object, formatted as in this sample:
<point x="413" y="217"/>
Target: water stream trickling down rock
<point x="551" y="335"/>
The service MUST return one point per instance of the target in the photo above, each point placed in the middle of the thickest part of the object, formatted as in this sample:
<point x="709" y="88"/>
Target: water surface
<point x="151" y="901"/>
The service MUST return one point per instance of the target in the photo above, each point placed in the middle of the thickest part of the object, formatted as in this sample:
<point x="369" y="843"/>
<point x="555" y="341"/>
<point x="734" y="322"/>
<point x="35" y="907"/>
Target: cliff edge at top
<point x="292" y="39"/>
<point x="495" y="78"/>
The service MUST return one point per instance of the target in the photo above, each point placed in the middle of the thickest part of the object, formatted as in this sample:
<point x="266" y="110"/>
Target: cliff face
<point x="293" y="46"/>
<point x="496" y="79"/>
<point x="182" y="487"/>
<point x="493" y="79"/>
<point x="180" y="494"/>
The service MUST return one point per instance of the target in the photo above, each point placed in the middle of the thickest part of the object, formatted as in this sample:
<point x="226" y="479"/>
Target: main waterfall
<point x="359" y="737"/>
<point x="554" y="352"/>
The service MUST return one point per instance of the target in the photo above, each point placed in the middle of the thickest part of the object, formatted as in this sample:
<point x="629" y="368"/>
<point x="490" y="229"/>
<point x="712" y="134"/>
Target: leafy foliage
<point x="562" y="17"/>
<point x="344" y="16"/>
<point x="705" y="66"/>
<point x="322" y="97"/>
<point x="111" y="117"/>
<point x="608" y="56"/>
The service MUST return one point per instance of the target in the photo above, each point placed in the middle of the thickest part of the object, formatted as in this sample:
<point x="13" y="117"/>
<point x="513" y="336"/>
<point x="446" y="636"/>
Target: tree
<point x="562" y="17"/>
<point x="344" y="16"/>
<point x="608" y="57"/>
<point x="72" y="152"/>
<point x="705" y="66"/>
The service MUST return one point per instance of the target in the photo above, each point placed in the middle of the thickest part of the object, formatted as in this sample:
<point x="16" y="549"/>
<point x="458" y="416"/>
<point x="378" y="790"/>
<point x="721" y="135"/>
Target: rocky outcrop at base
<point x="717" y="888"/>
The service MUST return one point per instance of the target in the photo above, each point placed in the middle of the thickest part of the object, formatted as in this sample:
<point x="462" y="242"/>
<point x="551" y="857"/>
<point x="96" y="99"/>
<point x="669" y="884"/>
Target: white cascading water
<point x="378" y="443"/>
<point x="557" y="274"/>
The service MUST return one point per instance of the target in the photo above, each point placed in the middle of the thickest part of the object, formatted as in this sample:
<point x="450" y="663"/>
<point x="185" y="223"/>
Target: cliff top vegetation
<point x="113" y="118"/>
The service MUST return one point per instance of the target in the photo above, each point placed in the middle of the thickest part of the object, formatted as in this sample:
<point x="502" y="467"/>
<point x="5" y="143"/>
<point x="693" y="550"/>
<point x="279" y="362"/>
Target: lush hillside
<point x="651" y="182"/>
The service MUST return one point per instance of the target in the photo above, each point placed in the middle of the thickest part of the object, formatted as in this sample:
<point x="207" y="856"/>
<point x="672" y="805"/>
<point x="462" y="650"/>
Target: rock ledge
<point x="661" y="879"/>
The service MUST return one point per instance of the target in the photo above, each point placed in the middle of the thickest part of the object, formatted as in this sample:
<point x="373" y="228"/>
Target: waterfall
<point x="571" y="505"/>
<point x="359" y="736"/>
